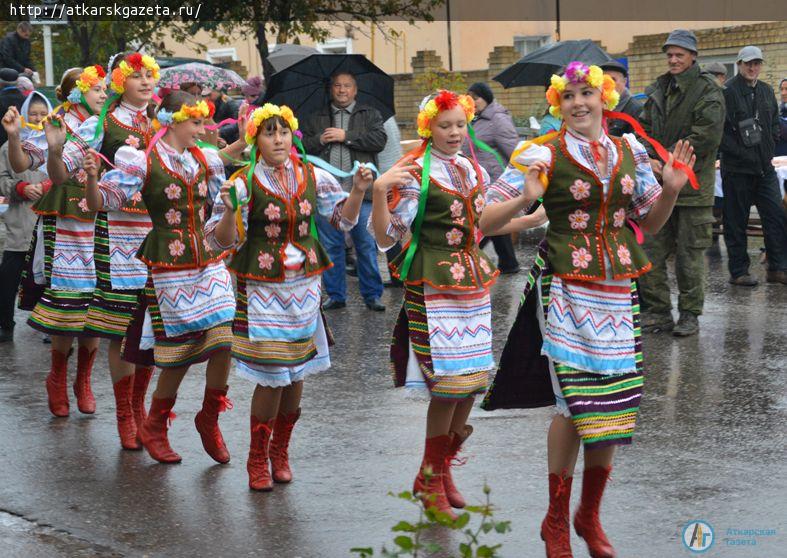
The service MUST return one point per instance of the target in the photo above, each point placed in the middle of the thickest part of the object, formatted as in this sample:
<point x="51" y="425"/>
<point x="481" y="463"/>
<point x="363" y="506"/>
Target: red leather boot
<point x="127" y="428"/>
<point x="142" y="376"/>
<point x="258" y="466"/>
<point x="207" y="423"/>
<point x="431" y="491"/>
<point x="451" y="493"/>
<point x="586" y="520"/>
<point x="57" y="386"/>
<point x="154" y="431"/>
<point x="282" y="431"/>
<point x="556" y="528"/>
<point x="86" y="403"/>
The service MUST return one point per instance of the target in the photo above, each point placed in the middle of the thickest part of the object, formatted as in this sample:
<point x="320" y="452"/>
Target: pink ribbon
<point x="222" y="123"/>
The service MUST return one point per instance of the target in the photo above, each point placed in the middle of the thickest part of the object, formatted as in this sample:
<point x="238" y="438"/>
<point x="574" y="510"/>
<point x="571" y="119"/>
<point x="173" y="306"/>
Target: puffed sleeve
<point x="124" y="182"/>
<point x="403" y="213"/>
<point x="74" y="150"/>
<point x="330" y="200"/>
<point x="219" y="209"/>
<point x="511" y="183"/>
<point x="36" y="148"/>
<point x="646" y="188"/>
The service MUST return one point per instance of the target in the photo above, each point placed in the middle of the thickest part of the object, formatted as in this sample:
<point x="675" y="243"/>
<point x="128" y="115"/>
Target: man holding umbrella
<point x="341" y="133"/>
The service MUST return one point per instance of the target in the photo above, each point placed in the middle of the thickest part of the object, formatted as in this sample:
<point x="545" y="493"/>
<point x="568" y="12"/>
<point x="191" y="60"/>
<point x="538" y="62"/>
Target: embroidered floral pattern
<point x="454" y="237"/>
<point x="479" y="204"/>
<point x="83" y="205"/>
<point x="201" y="213"/>
<point x="456" y="209"/>
<point x="272" y="212"/>
<point x="485" y="266"/>
<point x="273" y="230"/>
<point x="81" y="176"/>
<point x="305" y="207"/>
<point x="173" y="217"/>
<point x="202" y="189"/>
<point x="628" y="184"/>
<point x="619" y="217"/>
<point x="579" y="220"/>
<point x="581" y="258"/>
<point x="580" y="189"/>
<point x="624" y="255"/>
<point x="173" y="192"/>
<point x="206" y="245"/>
<point x="303" y="228"/>
<point x="312" y="256"/>
<point x="133" y="141"/>
<point x="137" y="197"/>
<point x="176" y="248"/>
<point x="265" y="260"/>
<point x="457" y="271"/>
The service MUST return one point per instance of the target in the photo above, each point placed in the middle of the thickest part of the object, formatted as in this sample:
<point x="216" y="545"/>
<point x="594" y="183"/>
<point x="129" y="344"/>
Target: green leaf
<point x="404" y="542"/>
<point x="364" y="552"/>
<point x="475" y="509"/>
<point x="461" y="521"/>
<point x="484" y="552"/>
<point x="404" y="526"/>
<point x="503" y="526"/>
<point x="466" y="550"/>
<point x="487" y="527"/>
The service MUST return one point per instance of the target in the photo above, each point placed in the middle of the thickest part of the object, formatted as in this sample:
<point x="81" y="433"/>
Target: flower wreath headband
<point x="165" y="119"/>
<point x="577" y="72"/>
<point x="444" y="100"/>
<point x="90" y="77"/>
<point x="133" y="63"/>
<point x="263" y="113"/>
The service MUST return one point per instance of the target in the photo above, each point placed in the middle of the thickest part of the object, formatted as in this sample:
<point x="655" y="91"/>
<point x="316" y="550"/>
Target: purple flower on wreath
<point x="576" y="72"/>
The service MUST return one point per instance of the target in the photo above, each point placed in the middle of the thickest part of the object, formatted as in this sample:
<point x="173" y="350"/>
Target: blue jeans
<point x="335" y="279"/>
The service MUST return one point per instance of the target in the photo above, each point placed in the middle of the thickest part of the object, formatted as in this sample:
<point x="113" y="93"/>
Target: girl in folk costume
<point x="189" y="296"/>
<point x="279" y="334"/>
<point x="63" y="253"/>
<point x="442" y="341"/>
<point x="124" y="121"/>
<point x="576" y="339"/>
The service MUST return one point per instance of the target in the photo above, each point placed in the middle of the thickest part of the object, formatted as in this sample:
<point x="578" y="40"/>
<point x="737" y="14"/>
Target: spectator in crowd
<point x="717" y="70"/>
<point x="20" y="191"/>
<point x="627" y="104"/>
<point x="10" y="96"/>
<point x="15" y="50"/>
<point x="25" y="85"/>
<point x="493" y="125"/>
<point x="343" y="132"/>
<point x="252" y="91"/>
<point x="191" y="87"/>
<point x="751" y="129"/>
<point x="781" y="145"/>
<point x="687" y="104"/>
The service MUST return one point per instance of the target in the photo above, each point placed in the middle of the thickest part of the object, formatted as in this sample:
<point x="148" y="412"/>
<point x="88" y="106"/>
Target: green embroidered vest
<point x="275" y="221"/>
<point x="448" y="256"/>
<point x="177" y="210"/>
<point x="584" y="225"/>
<point x="116" y="135"/>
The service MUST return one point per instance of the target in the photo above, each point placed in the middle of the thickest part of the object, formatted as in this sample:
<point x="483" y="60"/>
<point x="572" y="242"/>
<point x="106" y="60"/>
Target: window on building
<point x="527" y="44"/>
<point x="336" y="46"/>
<point x="219" y="55"/>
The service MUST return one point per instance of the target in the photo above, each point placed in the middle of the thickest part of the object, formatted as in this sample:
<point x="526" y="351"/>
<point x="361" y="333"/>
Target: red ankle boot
<point x="142" y="377"/>
<point x="555" y="529"/>
<point x="431" y="491"/>
<point x="154" y="431"/>
<point x="207" y="423"/>
<point x="127" y="428"/>
<point x="57" y="386"/>
<point x="586" y="520"/>
<point x="257" y="465"/>
<point x="282" y="431"/>
<point x="86" y="403"/>
<point x="451" y="493"/>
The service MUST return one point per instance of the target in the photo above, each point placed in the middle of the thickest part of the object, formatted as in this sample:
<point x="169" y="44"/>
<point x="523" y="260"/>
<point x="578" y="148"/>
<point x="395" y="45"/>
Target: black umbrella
<point x="285" y="55"/>
<point x="537" y="67"/>
<point x="305" y="85"/>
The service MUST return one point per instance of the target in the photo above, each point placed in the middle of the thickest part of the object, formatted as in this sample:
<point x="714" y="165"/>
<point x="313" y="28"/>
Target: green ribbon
<point x="419" y="216"/>
<point x="483" y="146"/>
<point x="312" y="223"/>
<point x="249" y="175"/>
<point x="103" y="116"/>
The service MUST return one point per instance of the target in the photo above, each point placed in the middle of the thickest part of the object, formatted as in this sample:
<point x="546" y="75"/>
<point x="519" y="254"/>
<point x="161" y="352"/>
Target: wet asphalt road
<point x="710" y="445"/>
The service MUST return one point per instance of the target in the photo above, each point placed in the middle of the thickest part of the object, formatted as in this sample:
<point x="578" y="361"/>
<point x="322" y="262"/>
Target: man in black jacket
<point x="342" y="133"/>
<point x="627" y="104"/>
<point x="10" y="96"/>
<point x="751" y="128"/>
<point x="15" y="49"/>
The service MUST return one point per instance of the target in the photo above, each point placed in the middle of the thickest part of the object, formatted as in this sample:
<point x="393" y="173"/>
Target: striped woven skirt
<point x="412" y="360"/>
<point x="58" y="312"/>
<point x="602" y="407"/>
<point x="110" y="310"/>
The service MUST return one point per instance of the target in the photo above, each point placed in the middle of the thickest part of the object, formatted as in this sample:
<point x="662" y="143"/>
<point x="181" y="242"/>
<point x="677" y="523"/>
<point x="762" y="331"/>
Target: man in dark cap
<point x="10" y="96"/>
<point x="627" y="104"/>
<point x="686" y="104"/>
<point x="718" y="70"/>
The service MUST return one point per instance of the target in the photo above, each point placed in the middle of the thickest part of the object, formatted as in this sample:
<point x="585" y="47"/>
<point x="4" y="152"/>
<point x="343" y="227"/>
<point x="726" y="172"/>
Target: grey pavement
<point x="710" y="445"/>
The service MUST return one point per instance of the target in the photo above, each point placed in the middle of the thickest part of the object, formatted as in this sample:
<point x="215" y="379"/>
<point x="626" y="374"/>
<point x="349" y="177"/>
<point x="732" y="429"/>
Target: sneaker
<point x="777" y="277"/>
<point x="688" y="324"/>
<point x="332" y="304"/>
<point x="655" y="323"/>
<point x="744" y="281"/>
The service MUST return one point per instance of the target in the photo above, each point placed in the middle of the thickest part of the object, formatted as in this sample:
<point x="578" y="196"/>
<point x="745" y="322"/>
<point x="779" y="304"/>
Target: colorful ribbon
<point x="419" y="217"/>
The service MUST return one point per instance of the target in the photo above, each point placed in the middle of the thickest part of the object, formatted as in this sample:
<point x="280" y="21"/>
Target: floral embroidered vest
<point x="584" y="224"/>
<point x="177" y="210"/>
<point x="116" y="135"/>
<point x="274" y="221"/>
<point x="67" y="200"/>
<point x="448" y="256"/>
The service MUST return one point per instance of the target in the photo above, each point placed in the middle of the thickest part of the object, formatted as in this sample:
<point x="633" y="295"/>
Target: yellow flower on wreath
<point x="444" y="100"/>
<point x="577" y="72"/>
<point x="133" y="63"/>
<point x="263" y="113"/>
